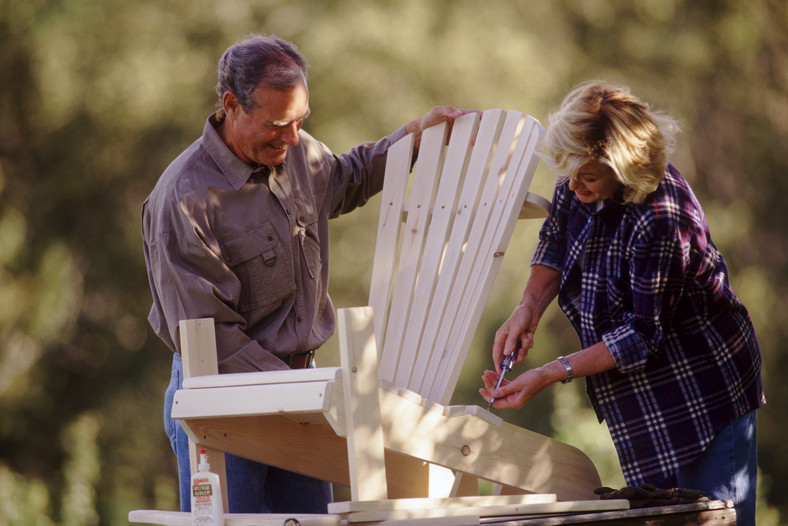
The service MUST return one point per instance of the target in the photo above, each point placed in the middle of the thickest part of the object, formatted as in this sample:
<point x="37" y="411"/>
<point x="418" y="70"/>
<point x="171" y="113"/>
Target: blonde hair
<point x="601" y="122"/>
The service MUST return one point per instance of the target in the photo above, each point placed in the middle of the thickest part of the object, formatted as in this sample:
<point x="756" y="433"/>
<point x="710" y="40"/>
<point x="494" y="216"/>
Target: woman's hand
<point x="521" y="324"/>
<point x="541" y="289"/>
<point x="516" y="393"/>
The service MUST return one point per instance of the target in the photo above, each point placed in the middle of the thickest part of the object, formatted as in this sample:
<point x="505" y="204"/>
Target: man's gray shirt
<point x="249" y="246"/>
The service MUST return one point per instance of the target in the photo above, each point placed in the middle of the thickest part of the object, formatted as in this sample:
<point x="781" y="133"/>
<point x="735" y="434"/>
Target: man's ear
<point x="230" y="103"/>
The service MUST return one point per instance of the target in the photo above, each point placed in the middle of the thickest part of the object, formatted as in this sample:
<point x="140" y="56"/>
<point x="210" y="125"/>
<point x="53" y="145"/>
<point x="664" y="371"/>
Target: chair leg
<point x="358" y="354"/>
<point x="198" y="351"/>
<point x="465" y="485"/>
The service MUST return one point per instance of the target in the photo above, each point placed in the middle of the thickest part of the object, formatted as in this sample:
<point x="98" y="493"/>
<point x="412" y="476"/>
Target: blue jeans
<point x="727" y="470"/>
<point x="252" y="487"/>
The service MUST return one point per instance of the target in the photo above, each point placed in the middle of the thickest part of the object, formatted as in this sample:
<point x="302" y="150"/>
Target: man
<point x="236" y="229"/>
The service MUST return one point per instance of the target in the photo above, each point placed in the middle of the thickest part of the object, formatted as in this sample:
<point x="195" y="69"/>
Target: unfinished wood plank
<point x="711" y="513"/>
<point x="311" y="374"/>
<point x="442" y="309"/>
<point x="454" y="410"/>
<point x="199" y="357"/>
<point x="464" y="485"/>
<point x="460" y="520"/>
<point x="445" y="502"/>
<point x="179" y="518"/>
<point x="534" y="207"/>
<point x="553" y="508"/>
<point x="504" y="454"/>
<point x="452" y="176"/>
<point x="509" y="202"/>
<point x="484" y="414"/>
<point x="312" y="449"/>
<point x="367" y="465"/>
<point x="465" y="272"/>
<point x="474" y="270"/>
<point x="265" y="399"/>
<point x="490" y="243"/>
<point x="414" y="397"/>
<point x="425" y="182"/>
<point x="392" y="205"/>
<point x="198" y="347"/>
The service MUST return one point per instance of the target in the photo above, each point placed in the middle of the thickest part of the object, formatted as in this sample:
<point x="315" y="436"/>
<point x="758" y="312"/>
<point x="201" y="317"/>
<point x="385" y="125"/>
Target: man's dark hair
<point x="257" y="60"/>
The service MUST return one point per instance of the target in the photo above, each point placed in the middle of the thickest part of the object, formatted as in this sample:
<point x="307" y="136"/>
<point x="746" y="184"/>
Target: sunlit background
<point x="98" y="96"/>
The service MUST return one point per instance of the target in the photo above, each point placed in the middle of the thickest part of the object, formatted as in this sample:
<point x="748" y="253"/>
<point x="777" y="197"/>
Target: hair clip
<point x="596" y="150"/>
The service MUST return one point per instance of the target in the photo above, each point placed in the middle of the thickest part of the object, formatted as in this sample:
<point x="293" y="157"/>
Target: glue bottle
<point x="207" y="509"/>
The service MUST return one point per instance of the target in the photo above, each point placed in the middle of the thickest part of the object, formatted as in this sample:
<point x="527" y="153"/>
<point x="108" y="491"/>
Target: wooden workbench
<point x="715" y="512"/>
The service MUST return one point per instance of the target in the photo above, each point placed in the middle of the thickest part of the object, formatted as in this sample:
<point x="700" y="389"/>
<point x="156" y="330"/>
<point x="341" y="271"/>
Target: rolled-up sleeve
<point x="656" y="279"/>
<point x="550" y="250"/>
<point x="358" y="175"/>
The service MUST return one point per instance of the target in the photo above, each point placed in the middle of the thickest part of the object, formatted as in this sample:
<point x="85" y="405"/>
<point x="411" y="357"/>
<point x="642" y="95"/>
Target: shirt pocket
<point x="310" y="246"/>
<point x="260" y="263"/>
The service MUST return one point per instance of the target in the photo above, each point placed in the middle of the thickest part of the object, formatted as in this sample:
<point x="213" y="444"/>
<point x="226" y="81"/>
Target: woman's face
<point x="594" y="182"/>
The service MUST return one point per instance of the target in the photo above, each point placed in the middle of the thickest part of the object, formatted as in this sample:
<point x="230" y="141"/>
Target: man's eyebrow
<point x="279" y="124"/>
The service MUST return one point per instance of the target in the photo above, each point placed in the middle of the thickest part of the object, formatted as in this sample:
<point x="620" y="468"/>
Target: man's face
<point x="262" y="136"/>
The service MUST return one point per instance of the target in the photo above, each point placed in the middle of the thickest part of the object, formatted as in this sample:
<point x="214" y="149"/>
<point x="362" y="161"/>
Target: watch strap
<point x="570" y="374"/>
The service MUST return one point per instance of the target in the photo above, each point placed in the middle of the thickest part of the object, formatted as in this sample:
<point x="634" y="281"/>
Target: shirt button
<point x="298" y="319"/>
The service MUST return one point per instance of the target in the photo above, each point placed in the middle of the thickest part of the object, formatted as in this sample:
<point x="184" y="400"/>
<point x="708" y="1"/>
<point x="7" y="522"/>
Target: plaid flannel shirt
<point x="648" y="281"/>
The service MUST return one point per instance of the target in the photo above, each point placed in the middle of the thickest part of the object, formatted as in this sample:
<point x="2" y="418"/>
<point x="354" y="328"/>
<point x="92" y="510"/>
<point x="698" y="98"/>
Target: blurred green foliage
<point x="98" y="96"/>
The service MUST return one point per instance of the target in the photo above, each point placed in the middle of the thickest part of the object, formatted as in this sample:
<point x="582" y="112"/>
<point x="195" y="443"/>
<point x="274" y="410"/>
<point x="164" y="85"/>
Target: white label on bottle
<point x="202" y="490"/>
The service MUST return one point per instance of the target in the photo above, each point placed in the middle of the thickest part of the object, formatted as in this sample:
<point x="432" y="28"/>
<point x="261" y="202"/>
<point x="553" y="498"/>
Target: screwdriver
<point x="506" y="365"/>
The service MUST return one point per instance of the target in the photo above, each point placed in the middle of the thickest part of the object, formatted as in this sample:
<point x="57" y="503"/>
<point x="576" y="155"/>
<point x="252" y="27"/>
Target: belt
<point x="301" y="360"/>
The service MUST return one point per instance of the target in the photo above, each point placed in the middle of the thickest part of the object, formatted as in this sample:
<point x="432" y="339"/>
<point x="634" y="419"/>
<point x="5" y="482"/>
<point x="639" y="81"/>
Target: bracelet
<point x="570" y="374"/>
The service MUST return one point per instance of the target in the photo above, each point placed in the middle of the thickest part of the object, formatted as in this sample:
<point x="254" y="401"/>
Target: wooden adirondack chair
<point x="376" y="422"/>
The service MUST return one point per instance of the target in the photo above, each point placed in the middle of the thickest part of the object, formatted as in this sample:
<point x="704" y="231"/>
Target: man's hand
<point x="436" y="115"/>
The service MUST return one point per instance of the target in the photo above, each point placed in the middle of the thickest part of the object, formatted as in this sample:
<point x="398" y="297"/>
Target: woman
<point x="669" y="353"/>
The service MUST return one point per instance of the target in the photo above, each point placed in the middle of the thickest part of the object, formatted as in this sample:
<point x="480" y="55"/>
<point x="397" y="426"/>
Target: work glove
<point x="648" y="495"/>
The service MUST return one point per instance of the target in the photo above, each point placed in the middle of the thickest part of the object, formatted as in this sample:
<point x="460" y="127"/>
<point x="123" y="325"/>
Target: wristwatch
<point x="570" y="374"/>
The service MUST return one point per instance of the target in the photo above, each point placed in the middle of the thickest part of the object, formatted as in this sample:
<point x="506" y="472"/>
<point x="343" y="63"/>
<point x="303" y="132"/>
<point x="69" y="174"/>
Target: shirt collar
<point x="606" y="207"/>
<point x="234" y="169"/>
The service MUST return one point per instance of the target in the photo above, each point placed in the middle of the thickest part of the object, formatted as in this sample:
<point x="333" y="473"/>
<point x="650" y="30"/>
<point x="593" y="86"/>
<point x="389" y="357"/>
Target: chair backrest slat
<point x="487" y="262"/>
<point x="392" y="208"/>
<point x="442" y="310"/>
<point x="425" y="181"/>
<point x="432" y="277"/>
<point x="471" y="272"/>
<point x="440" y="226"/>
